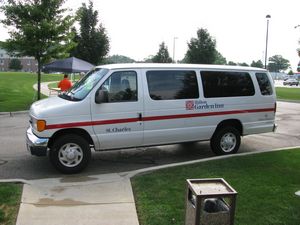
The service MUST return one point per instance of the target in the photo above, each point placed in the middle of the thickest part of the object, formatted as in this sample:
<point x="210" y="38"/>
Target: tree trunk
<point x="39" y="79"/>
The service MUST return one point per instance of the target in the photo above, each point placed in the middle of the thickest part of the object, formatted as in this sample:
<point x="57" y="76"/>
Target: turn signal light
<point x="41" y="125"/>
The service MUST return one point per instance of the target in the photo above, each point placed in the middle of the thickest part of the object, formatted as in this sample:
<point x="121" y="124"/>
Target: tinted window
<point x="168" y="85"/>
<point x="226" y="84"/>
<point x="121" y="87"/>
<point x="264" y="84"/>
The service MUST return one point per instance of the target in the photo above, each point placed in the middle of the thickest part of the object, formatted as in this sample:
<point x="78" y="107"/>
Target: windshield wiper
<point x="63" y="95"/>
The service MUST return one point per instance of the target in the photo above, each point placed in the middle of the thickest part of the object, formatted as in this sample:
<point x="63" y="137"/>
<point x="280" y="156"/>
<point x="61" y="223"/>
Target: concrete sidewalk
<point x="44" y="88"/>
<point x="102" y="200"/>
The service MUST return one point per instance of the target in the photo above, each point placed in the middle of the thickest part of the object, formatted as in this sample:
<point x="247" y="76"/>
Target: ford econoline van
<point x="130" y="105"/>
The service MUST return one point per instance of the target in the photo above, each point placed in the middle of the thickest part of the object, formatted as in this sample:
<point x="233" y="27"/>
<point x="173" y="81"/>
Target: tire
<point x="70" y="154"/>
<point x="225" y="141"/>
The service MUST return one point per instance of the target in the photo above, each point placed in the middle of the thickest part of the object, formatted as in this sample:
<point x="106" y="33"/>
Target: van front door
<point x="117" y="120"/>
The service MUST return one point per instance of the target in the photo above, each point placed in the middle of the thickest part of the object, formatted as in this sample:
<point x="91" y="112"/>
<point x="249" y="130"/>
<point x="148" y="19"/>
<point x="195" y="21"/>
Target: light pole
<point x="298" y="50"/>
<point x="174" y="48"/>
<point x="266" y="52"/>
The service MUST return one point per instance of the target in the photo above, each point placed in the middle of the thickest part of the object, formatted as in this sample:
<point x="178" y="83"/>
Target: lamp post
<point x="174" y="48"/>
<point x="298" y="50"/>
<point x="266" y="52"/>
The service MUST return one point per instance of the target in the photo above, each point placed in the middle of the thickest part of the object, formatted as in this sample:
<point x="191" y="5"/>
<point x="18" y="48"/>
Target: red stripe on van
<point x="153" y="118"/>
<point x="93" y="123"/>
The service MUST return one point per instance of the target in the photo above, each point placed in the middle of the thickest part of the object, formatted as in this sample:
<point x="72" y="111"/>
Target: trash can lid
<point x="211" y="186"/>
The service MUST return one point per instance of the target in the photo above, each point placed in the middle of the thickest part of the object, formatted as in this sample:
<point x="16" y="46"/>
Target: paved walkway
<point x="45" y="90"/>
<point x="102" y="200"/>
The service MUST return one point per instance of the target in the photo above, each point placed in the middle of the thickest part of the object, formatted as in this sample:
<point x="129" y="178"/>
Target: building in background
<point x="29" y="64"/>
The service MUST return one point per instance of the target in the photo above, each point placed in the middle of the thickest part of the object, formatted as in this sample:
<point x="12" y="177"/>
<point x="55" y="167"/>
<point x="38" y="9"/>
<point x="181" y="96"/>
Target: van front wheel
<point x="225" y="141"/>
<point x="70" y="154"/>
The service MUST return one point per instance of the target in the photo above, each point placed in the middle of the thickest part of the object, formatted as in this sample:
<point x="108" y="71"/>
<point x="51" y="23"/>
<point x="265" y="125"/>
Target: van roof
<point x="177" y="66"/>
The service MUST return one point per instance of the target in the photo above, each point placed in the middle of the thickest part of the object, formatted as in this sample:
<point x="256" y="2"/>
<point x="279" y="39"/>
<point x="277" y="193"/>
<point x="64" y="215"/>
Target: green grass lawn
<point x="10" y="196"/>
<point x="16" y="89"/>
<point x="266" y="184"/>
<point x="288" y="93"/>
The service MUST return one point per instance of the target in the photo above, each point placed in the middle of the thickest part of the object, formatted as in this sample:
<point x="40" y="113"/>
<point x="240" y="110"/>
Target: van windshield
<point x="82" y="87"/>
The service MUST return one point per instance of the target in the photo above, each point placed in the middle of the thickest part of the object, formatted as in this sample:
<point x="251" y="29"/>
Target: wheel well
<point x="81" y="132"/>
<point x="231" y="123"/>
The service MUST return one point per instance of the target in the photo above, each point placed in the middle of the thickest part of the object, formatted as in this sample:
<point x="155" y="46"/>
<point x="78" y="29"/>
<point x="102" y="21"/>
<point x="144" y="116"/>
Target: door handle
<point x="140" y="117"/>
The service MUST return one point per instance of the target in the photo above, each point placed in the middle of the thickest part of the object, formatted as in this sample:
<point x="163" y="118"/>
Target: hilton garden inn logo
<point x="198" y="104"/>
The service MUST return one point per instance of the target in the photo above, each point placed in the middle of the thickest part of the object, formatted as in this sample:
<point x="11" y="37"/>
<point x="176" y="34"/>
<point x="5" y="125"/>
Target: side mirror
<point x="101" y="96"/>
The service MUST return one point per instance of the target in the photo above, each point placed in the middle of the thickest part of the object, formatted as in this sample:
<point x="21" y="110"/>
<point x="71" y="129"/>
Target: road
<point x="16" y="162"/>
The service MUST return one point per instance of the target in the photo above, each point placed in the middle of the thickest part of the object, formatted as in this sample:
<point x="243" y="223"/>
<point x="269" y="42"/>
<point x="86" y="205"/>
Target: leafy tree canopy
<point x="162" y="55"/>
<point x="231" y="63"/>
<point x="201" y="49"/>
<point x="220" y="59"/>
<point x="38" y="28"/>
<point x="278" y="64"/>
<point x="92" y="40"/>
<point x="257" y="64"/>
<point x="243" y="64"/>
<point x="15" y="64"/>
<point x="118" y="59"/>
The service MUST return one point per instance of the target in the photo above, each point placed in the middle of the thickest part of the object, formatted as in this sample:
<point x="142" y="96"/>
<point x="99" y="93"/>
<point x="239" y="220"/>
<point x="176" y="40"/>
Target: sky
<point x="137" y="27"/>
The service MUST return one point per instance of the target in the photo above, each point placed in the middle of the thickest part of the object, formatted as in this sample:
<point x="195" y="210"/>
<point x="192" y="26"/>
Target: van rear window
<point x="264" y="84"/>
<point x="172" y="84"/>
<point x="217" y="84"/>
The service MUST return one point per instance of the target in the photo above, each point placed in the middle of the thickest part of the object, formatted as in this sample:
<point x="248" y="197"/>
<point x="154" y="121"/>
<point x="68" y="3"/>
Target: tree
<point x="201" y="49"/>
<point x="243" y="64"/>
<point x="118" y="59"/>
<point x="220" y="59"/>
<point x="15" y="64"/>
<point x="231" y="63"/>
<point x="258" y="64"/>
<point x="37" y="28"/>
<point x="162" y="55"/>
<point x="147" y="59"/>
<point x="277" y="63"/>
<point x="92" y="40"/>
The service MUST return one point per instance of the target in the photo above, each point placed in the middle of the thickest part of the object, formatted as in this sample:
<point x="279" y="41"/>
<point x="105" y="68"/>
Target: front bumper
<point x="36" y="145"/>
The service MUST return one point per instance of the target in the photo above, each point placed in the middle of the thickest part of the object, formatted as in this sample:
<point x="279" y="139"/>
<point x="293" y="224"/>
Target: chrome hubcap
<point x="70" y="155"/>
<point x="228" y="142"/>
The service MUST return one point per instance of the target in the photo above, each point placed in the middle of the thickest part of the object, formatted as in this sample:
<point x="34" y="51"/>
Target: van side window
<point x="218" y="84"/>
<point x="121" y="86"/>
<point x="171" y="84"/>
<point x="264" y="83"/>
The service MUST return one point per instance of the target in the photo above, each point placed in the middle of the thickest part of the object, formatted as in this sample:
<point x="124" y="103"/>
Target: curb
<point x="14" y="113"/>
<point x="131" y="174"/>
<point x="287" y="100"/>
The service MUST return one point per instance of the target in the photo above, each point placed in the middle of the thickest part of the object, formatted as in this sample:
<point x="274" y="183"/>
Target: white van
<point x="130" y="105"/>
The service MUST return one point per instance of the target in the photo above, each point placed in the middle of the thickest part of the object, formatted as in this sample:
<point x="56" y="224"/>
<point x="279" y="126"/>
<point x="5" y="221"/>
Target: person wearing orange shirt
<point x="65" y="83"/>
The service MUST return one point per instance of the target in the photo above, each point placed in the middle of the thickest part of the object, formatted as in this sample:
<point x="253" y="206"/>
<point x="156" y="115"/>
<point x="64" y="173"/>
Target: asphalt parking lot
<point x="16" y="162"/>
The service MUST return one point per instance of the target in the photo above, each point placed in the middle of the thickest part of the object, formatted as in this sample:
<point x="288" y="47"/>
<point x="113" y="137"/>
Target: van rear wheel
<point x="70" y="154"/>
<point x="225" y="141"/>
